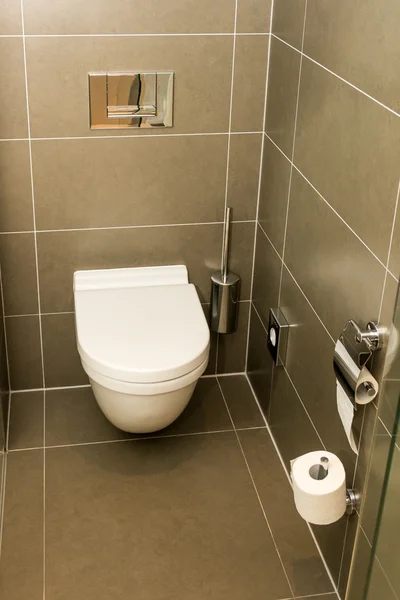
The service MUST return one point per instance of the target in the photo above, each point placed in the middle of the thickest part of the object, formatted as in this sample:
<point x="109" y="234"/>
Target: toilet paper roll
<point x="367" y="387"/>
<point x="319" y="500"/>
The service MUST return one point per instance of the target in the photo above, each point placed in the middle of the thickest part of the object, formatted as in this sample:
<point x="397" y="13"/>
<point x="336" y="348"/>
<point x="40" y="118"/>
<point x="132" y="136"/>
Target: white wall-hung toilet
<point x="143" y="341"/>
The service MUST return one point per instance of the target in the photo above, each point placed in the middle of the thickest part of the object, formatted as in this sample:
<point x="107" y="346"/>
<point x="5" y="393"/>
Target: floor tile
<point x="26" y="420"/>
<point x="21" y="566"/>
<point x="299" y="554"/>
<point x="73" y="416"/>
<point x="162" y="519"/>
<point x="240" y="400"/>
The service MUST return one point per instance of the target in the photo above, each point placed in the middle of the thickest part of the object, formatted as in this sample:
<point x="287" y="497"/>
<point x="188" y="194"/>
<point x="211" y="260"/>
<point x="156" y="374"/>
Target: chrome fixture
<point x="225" y="287"/>
<point x="124" y="100"/>
<point x="353" y="501"/>
<point x="278" y="335"/>
<point x="353" y="350"/>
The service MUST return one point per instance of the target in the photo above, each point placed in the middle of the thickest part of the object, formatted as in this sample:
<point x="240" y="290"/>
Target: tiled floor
<point x="203" y="510"/>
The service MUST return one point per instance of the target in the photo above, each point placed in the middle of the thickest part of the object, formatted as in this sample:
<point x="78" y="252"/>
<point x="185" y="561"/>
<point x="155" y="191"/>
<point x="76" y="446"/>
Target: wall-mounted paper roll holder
<point x="353" y="350"/>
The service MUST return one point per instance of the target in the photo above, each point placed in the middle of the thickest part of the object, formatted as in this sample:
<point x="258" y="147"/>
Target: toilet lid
<point x="142" y="334"/>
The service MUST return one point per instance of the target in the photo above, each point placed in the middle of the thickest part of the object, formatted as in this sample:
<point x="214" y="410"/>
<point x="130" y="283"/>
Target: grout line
<point x="344" y="548"/>
<point x="329" y="205"/>
<point x="228" y="152"/>
<point x="3" y="480"/>
<point x="259" y="183"/>
<point x="256" y="490"/>
<point x="297" y="284"/>
<point x="143" y="136"/>
<point x="5" y="330"/>
<point x="32" y="188"/>
<point x="336" y="75"/>
<point x="110" y="228"/>
<point x="44" y="495"/>
<point x="292" y="158"/>
<point x="335" y="590"/>
<point x="389" y="249"/>
<point x="133" y="35"/>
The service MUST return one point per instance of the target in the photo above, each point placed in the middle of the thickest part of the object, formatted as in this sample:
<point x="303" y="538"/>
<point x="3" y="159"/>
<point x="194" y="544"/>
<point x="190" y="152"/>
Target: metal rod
<point x="225" y="244"/>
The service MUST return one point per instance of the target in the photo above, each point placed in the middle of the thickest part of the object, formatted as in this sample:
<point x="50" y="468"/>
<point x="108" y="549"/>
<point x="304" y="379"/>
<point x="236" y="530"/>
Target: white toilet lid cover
<point x="142" y="334"/>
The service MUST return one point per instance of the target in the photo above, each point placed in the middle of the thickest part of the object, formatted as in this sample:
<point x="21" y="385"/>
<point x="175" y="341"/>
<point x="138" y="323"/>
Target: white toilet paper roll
<point x="319" y="501"/>
<point x="364" y="394"/>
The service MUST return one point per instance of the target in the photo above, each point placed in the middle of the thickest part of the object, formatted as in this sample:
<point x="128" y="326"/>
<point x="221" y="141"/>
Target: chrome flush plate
<point x="125" y="100"/>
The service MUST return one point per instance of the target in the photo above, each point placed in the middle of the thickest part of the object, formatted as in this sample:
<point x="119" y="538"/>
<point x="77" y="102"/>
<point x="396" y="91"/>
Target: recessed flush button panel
<point x="278" y="334"/>
<point x="125" y="100"/>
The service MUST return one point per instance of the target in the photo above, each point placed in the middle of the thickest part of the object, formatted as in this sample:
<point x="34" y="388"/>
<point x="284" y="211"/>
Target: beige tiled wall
<point x="72" y="198"/>
<point x="327" y="235"/>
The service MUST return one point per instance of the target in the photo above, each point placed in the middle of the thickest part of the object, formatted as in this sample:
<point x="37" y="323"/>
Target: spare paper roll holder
<point x="360" y="345"/>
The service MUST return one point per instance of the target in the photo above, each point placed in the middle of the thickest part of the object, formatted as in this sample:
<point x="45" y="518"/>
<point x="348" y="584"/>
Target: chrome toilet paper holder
<point x="353" y="350"/>
<point x="353" y="501"/>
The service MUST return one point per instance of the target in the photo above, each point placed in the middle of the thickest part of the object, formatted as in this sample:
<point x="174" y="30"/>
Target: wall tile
<point x="274" y="193"/>
<point x="309" y="364"/>
<point x="21" y="566"/>
<point x="197" y="246"/>
<point x="11" y="23"/>
<point x="249" y="83"/>
<point x="123" y="16"/>
<point x="329" y="262"/>
<point x="379" y="586"/>
<point x="283" y="82"/>
<point x="253" y="16"/>
<point x="23" y="342"/>
<point x="288" y="21"/>
<point x="331" y="539"/>
<point x="358" y="574"/>
<point x="244" y="172"/>
<point x="290" y="425"/>
<point x="58" y="79"/>
<point x="359" y="41"/>
<point x="360" y="141"/>
<point x="112" y="182"/>
<point x="242" y="406"/>
<point x="232" y="347"/>
<point x="13" y="121"/>
<point x="18" y="268"/>
<point x="267" y="276"/>
<point x="212" y="359"/>
<point x="15" y="187"/>
<point x="63" y="366"/>
<point x="394" y="259"/>
<point x="369" y="414"/>
<point x="260" y="365"/>
<point x="26" y="420"/>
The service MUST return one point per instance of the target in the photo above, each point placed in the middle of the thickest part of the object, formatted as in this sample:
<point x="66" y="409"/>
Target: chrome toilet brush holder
<point x="225" y="289"/>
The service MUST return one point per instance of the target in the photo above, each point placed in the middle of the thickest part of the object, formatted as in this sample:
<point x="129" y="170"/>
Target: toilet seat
<point x="161" y="330"/>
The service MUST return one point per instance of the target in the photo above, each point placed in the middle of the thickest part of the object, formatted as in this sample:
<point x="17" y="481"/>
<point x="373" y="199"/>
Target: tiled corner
<point x="274" y="193"/>
<point x="192" y="168"/>
<point x="232" y="347"/>
<point x="26" y="428"/>
<point x="288" y="21"/>
<point x="283" y="80"/>
<point x="58" y="70"/>
<point x="253" y="16"/>
<point x="241" y="403"/>
<point x="360" y="141"/>
<point x="62" y="362"/>
<point x="251" y="59"/>
<point x="259" y="364"/>
<point x="16" y="212"/>
<point x="267" y="276"/>
<point x="122" y="17"/>
<point x="372" y="51"/>
<point x="334" y="277"/>
<point x="24" y="353"/>
<point x="13" y="120"/>
<point x="18" y="270"/>
<point x="244" y="172"/>
<point x="286" y="409"/>
<point x="303" y="565"/>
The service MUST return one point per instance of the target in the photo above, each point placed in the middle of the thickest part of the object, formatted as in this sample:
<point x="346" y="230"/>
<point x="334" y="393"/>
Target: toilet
<point x="143" y="341"/>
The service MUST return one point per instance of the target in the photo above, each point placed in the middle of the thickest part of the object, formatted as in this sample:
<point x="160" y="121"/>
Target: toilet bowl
<point x="143" y="341"/>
